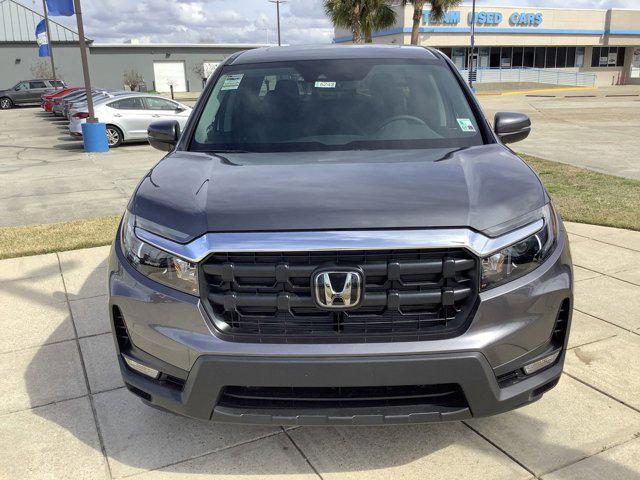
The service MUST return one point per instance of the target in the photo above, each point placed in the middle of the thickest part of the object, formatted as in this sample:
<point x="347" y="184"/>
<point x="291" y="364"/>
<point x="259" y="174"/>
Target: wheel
<point x="114" y="136"/>
<point x="5" y="103"/>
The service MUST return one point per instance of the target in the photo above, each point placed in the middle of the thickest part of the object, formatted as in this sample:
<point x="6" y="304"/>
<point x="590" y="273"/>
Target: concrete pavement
<point x="595" y="129"/>
<point x="65" y="414"/>
<point x="46" y="177"/>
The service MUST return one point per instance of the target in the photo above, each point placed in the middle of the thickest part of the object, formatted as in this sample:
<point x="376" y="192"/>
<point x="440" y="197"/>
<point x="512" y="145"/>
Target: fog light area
<point x="140" y="368"/>
<point x="542" y="363"/>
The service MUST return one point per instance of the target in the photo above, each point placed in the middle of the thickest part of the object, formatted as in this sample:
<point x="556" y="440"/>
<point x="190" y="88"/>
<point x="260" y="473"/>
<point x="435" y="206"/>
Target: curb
<point x="539" y="90"/>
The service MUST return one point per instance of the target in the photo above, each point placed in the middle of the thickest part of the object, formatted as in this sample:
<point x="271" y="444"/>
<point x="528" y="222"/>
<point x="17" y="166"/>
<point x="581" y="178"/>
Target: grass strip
<point x="57" y="237"/>
<point x="585" y="196"/>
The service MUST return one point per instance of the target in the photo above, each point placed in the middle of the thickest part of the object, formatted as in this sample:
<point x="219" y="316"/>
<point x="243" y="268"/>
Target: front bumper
<point x="512" y="326"/>
<point x="210" y="374"/>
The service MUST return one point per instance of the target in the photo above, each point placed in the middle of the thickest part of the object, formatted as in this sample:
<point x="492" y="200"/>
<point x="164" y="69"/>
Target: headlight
<point x="522" y="257"/>
<point x="157" y="264"/>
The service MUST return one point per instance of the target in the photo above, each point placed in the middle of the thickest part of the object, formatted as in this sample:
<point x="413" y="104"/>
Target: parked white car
<point x="128" y="117"/>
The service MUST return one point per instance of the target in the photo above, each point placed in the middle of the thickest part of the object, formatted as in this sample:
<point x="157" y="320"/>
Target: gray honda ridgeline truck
<point x="339" y="236"/>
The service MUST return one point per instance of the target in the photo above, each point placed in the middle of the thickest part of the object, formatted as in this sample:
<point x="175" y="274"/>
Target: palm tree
<point x="361" y="16"/>
<point x="438" y="9"/>
<point x="376" y="15"/>
<point x="346" y="14"/>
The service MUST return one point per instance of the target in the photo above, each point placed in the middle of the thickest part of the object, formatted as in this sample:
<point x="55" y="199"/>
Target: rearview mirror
<point x="164" y="135"/>
<point x="512" y="127"/>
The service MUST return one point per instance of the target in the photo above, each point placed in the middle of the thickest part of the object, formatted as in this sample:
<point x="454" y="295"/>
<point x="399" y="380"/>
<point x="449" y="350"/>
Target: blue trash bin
<point x="95" y="137"/>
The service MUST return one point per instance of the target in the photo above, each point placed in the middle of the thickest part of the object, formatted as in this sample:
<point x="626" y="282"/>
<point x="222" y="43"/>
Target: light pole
<point x="473" y="43"/>
<point x="85" y="62"/>
<point x="278" y="2"/>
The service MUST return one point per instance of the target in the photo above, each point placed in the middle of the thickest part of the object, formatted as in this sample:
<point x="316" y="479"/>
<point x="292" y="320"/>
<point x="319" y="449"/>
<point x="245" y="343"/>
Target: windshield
<point x="336" y="105"/>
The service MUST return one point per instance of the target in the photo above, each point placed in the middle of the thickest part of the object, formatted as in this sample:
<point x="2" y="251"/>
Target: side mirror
<point x="164" y="135"/>
<point x="512" y="127"/>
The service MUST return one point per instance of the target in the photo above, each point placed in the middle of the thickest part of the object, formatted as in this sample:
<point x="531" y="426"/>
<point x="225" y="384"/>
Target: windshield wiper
<point x="216" y="152"/>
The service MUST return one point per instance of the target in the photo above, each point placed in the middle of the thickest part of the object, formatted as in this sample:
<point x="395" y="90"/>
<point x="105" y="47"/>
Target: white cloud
<point x="239" y="21"/>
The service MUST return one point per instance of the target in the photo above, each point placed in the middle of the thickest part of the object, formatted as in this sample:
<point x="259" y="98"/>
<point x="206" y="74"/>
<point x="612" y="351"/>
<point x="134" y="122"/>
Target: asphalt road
<point x="599" y="132"/>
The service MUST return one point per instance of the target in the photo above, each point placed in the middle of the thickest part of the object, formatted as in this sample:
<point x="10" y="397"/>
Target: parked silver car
<point x="128" y="117"/>
<point x="81" y="105"/>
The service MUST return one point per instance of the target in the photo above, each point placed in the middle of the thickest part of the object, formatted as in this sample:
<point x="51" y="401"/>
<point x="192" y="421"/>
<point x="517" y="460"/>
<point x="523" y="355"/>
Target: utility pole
<point x="473" y="43"/>
<point x="278" y="2"/>
<point x="85" y="62"/>
<point x="46" y="24"/>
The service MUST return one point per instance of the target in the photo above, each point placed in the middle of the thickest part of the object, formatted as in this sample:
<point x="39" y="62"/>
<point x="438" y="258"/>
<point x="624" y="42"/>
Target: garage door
<point x="170" y="73"/>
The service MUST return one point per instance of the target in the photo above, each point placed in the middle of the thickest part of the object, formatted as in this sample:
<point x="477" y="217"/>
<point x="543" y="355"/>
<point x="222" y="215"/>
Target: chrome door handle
<point x="117" y="115"/>
<point x="155" y="115"/>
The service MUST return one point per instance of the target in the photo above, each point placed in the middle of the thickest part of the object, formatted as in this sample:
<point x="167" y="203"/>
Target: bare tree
<point x="41" y="69"/>
<point x="132" y="79"/>
<point x="198" y="69"/>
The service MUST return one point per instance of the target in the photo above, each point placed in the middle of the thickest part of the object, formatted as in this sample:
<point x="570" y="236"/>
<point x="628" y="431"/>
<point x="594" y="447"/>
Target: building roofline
<point x="537" y="7"/>
<point x="180" y="45"/>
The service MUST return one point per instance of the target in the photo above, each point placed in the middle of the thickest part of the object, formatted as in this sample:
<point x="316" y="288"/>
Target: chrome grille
<point x="408" y="295"/>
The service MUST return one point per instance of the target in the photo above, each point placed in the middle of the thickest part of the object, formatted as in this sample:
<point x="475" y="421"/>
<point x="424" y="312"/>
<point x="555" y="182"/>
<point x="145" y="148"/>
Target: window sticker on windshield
<point x="232" y="82"/>
<point x="325" y="84"/>
<point x="466" y="125"/>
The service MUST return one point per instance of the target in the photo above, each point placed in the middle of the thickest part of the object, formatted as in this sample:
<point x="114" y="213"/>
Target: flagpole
<point x="46" y="23"/>
<point x="85" y="62"/>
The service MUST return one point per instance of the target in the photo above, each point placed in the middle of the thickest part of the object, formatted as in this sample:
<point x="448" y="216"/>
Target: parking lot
<point x="42" y="166"/>
<point x="595" y="129"/>
<point x="64" y="412"/>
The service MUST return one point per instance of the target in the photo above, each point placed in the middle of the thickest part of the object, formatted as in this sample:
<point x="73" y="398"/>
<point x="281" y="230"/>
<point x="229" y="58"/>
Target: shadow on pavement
<point x="140" y="437"/>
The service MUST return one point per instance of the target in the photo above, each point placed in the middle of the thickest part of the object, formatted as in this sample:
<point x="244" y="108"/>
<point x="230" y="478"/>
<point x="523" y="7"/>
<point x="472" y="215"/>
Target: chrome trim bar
<point x="476" y="242"/>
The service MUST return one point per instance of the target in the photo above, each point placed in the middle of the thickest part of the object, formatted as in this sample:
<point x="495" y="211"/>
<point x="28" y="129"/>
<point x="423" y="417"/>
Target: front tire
<point x="114" y="136"/>
<point x="6" y="103"/>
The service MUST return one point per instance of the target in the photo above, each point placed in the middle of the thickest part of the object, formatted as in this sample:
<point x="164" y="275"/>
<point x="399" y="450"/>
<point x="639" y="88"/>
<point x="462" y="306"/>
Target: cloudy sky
<point x="237" y="21"/>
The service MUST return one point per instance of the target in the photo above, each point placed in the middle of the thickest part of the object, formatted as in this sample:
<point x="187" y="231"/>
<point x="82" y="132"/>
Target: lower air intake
<point x="445" y="395"/>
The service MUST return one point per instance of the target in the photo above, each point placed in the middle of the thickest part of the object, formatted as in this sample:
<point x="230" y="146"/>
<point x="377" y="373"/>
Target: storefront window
<point x="517" y="56"/>
<point x="459" y="57"/>
<point x="571" y="57"/>
<point x="528" y="57"/>
<point x="534" y="57"/>
<point x="621" y="53"/>
<point x="494" y="61"/>
<point x="540" y="57"/>
<point x="505" y="57"/>
<point x="551" y="57"/>
<point x="561" y="57"/>
<point x="579" y="57"/>
<point x="446" y="51"/>
<point x="483" y="57"/>
<point x="608" y="56"/>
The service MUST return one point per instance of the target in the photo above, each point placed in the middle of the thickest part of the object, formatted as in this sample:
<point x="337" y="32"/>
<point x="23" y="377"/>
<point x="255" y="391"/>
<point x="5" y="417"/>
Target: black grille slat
<point x="286" y="301"/>
<point x="445" y="395"/>
<point x="409" y="295"/>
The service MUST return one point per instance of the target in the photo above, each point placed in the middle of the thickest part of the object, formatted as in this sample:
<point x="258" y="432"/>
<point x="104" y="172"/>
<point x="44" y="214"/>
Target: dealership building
<point x="602" y="45"/>
<point x="160" y="65"/>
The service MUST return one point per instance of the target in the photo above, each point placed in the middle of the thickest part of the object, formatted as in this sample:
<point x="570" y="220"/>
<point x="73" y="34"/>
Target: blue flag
<point x="42" y="39"/>
<point x="60" y="8"/>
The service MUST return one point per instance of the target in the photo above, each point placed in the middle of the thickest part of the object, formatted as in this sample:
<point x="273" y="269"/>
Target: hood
<point x="195" y="193"/>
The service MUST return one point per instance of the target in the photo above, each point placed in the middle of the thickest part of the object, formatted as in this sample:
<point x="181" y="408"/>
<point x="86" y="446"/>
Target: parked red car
<point x="50" y="99"/>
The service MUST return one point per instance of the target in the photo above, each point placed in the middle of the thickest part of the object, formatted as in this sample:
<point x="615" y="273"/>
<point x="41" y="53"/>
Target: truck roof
<point x="328" y="52"/>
